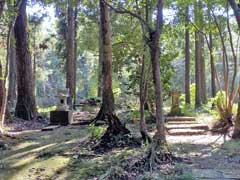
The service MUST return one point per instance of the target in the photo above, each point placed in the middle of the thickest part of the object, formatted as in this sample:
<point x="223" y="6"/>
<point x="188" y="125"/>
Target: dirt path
<point x="58" y="155"/>
<point x="207" y="157"/>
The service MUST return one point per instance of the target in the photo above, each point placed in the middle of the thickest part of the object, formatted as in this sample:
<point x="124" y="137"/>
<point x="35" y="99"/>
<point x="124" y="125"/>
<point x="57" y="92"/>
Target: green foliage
<point x="95" y="131"/>
<point x="220" y="98"/>
<point x="46" y="109"/>
<point x="188" y="109"/>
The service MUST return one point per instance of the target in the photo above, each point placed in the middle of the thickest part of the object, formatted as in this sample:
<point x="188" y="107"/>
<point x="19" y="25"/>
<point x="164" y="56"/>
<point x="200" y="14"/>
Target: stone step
<point x="181" y="122"/>
<point x="187" y="126"/>
<point x="179" y="118"/>
<point x="186" y="132"/>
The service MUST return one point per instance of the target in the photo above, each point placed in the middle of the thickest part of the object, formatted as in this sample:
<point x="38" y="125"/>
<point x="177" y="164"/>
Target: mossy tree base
<point x="116" y="135"/>
<point x="157" y="154"/>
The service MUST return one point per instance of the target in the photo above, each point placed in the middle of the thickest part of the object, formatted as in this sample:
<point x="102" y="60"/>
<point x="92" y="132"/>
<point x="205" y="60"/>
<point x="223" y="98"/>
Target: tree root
<point x="111" y="140"/>
<point x="156" y="156"/>
<point x="221" y="127"/>
<point x="145" y="137"/>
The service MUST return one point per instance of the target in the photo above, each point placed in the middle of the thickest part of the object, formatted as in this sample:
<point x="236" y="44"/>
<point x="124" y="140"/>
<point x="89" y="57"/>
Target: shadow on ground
<point x="58" y="154"/>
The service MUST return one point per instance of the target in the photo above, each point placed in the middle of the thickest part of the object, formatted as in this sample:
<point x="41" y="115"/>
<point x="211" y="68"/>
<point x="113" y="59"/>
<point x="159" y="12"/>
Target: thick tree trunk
<point x="213" y="73"/>
<point x="26" y="107"/>
<point x="158" y="151"/>
<point x="155" y="55"/>
<point x="200" y="80"/>
<point x="115" y="126"/>
<point x="100" y="61"/>
<point x="75" y="52"/>
<point x="197" y="71"/>
<point x="70" y="34"/>
<point x="187" y="58"/>
<point x="34" y="61"/>
<point x="1" y="74"/>
<point x="12" y="89"/>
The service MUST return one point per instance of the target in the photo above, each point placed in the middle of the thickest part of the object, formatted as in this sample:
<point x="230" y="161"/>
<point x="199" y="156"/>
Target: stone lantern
<point x="63" y="101"/>
<point x="62" y="115"/>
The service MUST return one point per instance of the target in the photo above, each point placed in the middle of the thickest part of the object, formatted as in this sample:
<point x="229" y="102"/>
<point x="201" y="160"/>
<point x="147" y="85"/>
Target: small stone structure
<point x="175" y="109"/>
<point x="62" y="115"/>
<point x="63" y="104"/>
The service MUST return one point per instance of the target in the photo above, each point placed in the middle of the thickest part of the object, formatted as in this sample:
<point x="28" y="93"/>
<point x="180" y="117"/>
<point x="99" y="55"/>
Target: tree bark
<point x="75" y="53"/>
<point x="26" y="107"/>
<point x="213" y="73"/>
<point x="2" y="2"/>
<point x="200" y="80"/>
<point x="1" y="74"/>
<point x="70" y="53"/>
<point x="197" y="72"/>
<point x="187" y="58"/>
<point x="1" y="86"/>
<point x="100" y="61"/>
<point x="12" y="89"/>
<point x="143" y="95"/>
<point x="155" y="55"/>
<point x="115" y="126"/>
<point x="203" y="73"/>
<point x="236" y="9"/>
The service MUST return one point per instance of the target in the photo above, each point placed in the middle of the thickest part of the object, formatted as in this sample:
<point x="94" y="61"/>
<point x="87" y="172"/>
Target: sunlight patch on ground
<point x="25" y="153"/>
<point x="41" y="168"/>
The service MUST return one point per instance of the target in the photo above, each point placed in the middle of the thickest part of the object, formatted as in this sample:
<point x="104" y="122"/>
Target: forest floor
<point x="59" y="154"/>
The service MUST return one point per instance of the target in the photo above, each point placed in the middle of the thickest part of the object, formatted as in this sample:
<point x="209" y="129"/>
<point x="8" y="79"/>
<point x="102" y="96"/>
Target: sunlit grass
<point x="46" y="109"/>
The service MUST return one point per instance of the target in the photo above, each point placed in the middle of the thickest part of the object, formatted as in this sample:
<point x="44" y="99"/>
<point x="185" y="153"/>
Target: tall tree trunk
<point x="203" y="73"/>
<point x="1" y="74"/>
<point x="158" y="151"/>
<point x="12" y="89"/>
<point x="26" y="107"/>
<point x="1" y="85"/>
<point x="34" y="61"/>
<point x="187" y="58"/>
<point x="143" y="95"/>
<point x="155" y="55"/>
<point x="1" y="81"/>
<point x="202" y="61"/>
<point x="197" y="71"/>
<point x="2" y="2"/>
<point x="115" y="126"/>
<point x="199" y="57"/>
<point x="100" y="61"/>
<point x="213" y="73"/>
<point x="236" y="10"/>
<point x="70" y="53"/>
<point x="75" y="52"/>
<point x="5" y="78"/>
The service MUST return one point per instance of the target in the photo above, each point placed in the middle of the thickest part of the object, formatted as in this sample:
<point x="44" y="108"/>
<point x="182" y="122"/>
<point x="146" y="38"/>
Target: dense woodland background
<point x="130" y="56"/>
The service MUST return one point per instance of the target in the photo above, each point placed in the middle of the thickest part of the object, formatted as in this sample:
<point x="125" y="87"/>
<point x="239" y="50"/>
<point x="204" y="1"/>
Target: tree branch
<point x="125" y="11"/>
